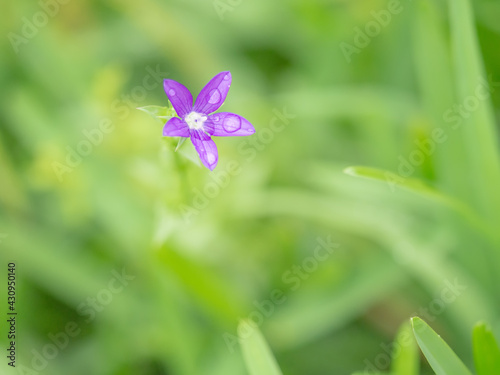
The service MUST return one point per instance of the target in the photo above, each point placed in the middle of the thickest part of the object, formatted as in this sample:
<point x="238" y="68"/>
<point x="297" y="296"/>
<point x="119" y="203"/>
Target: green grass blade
<point x="486" y="351"/>
<point x="434" y="78"/>
<point x="439" y="355"/>
<point x="258" y="356"/>
<point x="416" y="186"/>
<point x="477" y="125"/>
<point x="393" y="180"/>
<point x="405" y="356"/>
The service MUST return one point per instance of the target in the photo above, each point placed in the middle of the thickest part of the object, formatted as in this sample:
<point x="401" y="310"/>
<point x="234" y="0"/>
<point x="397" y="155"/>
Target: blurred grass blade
<point x="417" y="186"/>
<point x="434" y="78"/>
<point x="394" y="181"/>
<point x="405" y="356"/>
<point x="208" y="288"/>
<point x="477" y="124"/>
<point x="486" y="351"/>
<point x="439" y="355"/>
<point x="258" y="356"/>
<point x="391" y="179"/>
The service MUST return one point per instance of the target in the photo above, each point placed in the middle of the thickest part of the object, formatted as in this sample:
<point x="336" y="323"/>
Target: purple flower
<point x="198" y="123"/>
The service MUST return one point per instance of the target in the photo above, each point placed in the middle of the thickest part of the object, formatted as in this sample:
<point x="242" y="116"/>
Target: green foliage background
<point x="123" y="206"/>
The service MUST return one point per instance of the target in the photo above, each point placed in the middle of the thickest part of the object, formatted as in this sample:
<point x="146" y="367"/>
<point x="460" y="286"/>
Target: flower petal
<point x="213" y="94"/>
<point x="175" y="127"/>
<point x="206" y="148"/>
<point x="227" y="124"/>
<point x="179" y="96"/>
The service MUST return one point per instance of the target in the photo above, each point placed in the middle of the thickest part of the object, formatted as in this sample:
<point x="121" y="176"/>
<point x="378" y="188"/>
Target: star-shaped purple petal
<point x="198" y="122"/>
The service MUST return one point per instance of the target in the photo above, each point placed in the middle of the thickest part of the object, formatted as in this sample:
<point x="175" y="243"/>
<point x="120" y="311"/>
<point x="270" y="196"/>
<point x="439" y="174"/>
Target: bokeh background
<point x="90" y="189"/>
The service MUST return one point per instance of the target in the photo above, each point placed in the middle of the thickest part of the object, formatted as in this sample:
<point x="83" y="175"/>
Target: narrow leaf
<point x="392" y="179"/>
<point x="405" y="356"/>
<point x="434" y="77"/>
<point x="477" y="125"/>
<point x="486" y="351"/>
<point x="416" y="186"/>
<point x="258" y="356"/>
<point x="439" y="355"/>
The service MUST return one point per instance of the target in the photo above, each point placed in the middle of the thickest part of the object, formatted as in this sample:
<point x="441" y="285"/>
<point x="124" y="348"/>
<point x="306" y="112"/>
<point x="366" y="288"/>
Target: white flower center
<point x="195" y="120"/>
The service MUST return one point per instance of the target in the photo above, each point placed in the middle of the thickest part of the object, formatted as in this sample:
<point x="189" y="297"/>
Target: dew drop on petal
<point x="171" y="92"/>
<point x="231" y="123"/>
<point x="214" y="96"/>
<point x="216" y="118"/>
<point x="226" y="77"/>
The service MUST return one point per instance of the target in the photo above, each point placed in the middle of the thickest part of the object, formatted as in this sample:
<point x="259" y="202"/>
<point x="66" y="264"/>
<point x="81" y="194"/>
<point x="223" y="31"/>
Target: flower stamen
<point x="195" y="120"/>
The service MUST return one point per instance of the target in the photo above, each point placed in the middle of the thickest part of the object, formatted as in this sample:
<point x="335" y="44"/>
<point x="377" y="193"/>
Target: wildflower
<point x="197" y="122"/>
